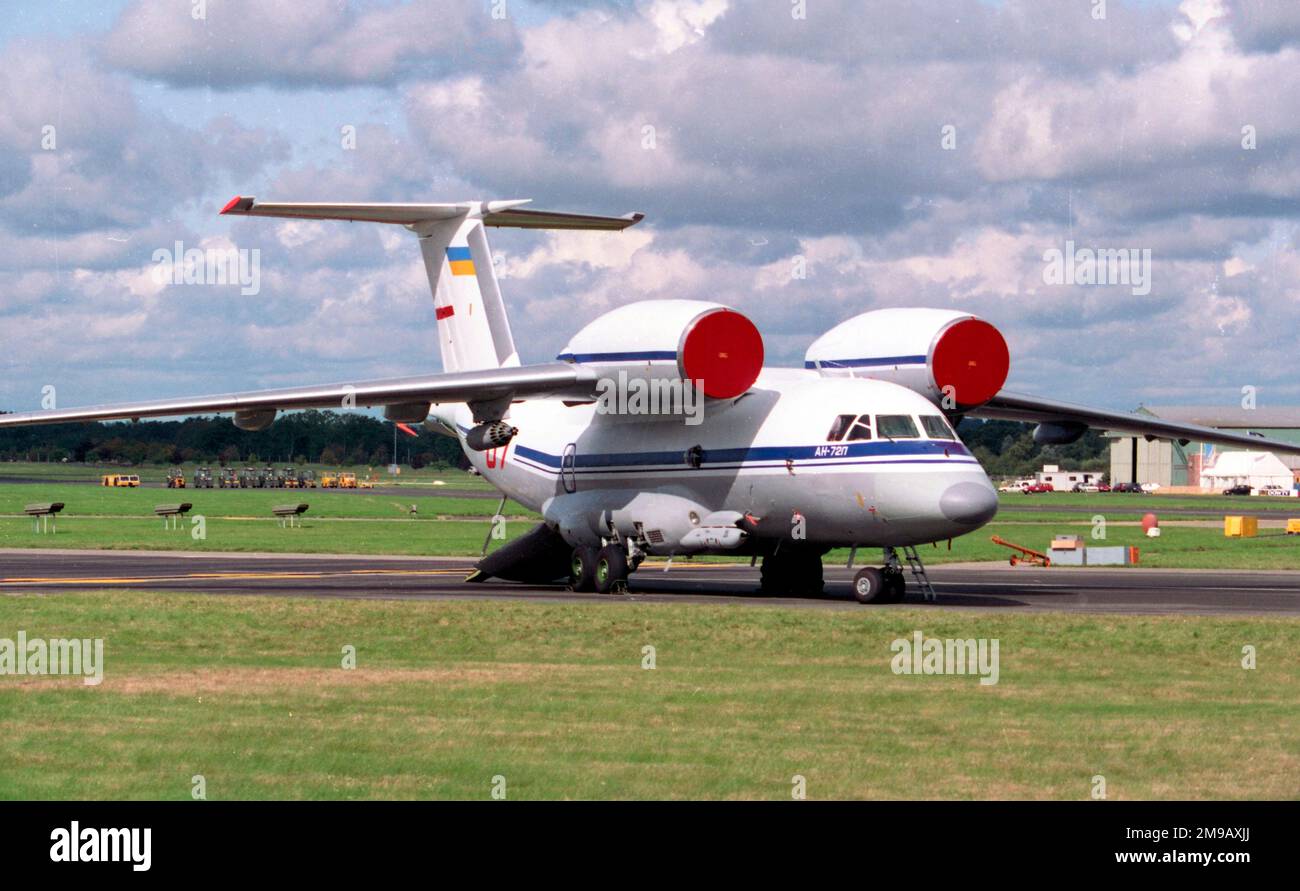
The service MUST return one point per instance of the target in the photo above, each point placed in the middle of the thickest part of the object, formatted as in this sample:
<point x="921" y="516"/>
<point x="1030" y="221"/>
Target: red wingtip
<point x="230" y="206"/>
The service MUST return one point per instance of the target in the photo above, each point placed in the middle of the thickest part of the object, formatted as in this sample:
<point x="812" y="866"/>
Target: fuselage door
<point x="568" y="460"/>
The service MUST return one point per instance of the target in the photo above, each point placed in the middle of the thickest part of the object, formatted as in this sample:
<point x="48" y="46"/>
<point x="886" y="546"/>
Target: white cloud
<point x="770" y="137"/>
<point x="306" y="43"/>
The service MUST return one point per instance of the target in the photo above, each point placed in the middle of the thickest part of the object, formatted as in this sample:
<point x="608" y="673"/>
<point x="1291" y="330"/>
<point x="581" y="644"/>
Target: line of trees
<point x="326" y="437"/>
<point x="1007" y="449"/>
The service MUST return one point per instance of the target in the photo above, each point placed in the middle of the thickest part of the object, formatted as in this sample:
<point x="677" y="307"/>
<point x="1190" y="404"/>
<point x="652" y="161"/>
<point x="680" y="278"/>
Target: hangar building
<point x="1174" y="465"/>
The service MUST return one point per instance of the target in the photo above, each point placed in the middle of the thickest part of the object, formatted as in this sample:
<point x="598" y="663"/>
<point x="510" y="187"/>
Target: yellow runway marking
<point x="215" y="576"/>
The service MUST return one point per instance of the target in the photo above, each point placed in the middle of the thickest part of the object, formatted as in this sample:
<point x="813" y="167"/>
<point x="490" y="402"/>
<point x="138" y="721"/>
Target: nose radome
<point x="969" y="503"/>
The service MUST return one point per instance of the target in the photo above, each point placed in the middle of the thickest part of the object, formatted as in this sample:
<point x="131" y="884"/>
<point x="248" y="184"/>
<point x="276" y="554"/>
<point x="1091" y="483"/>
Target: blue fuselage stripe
<point x="926" y="451"/>
<point x="682" y="468"/>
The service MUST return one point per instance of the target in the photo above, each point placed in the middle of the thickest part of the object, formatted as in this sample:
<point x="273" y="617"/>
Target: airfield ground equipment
<point x="172" y="513"/>
<point x="289" y="514"/>
<point x="44" y="514"/>
<point x="1026" y="555"/>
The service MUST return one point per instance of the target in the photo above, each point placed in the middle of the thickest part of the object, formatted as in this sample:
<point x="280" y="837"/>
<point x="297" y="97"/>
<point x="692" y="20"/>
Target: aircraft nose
<point x="968" y="503"/>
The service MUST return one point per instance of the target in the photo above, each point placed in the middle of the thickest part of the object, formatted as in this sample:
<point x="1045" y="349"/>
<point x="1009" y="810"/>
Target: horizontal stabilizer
<point x="492" y="213"/>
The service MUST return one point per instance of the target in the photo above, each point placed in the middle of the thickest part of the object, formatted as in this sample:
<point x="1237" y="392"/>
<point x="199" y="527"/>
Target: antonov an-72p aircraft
<point x="658" y="430"/>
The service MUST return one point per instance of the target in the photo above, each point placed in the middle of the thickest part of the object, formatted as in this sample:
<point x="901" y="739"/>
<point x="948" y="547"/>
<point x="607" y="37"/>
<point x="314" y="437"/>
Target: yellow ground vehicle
<point x="329" y="479"/>
<point x="175" y="479"/>
<point x="130" y="480"/>
<point x="347" y="480"/>
<point x="367" y="483"/>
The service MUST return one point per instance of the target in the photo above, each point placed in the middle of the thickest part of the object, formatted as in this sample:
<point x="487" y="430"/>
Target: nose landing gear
<point x="879" y="585"/>
<point x="888" y="584"/>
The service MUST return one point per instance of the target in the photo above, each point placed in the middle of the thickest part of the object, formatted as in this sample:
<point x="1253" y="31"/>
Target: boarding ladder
<point x="918" y="573"/>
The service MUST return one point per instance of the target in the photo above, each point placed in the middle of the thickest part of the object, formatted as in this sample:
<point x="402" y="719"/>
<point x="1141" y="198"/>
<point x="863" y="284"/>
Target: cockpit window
<point x="936" y="427"/>
<point x="840" y="427"/>
<point x="861" y="430"/>
<point x="896" y="427"/>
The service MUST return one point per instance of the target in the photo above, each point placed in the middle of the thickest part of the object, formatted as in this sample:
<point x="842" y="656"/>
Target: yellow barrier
<point x="1240" y="527"/>
<point x="1293" y="527"/>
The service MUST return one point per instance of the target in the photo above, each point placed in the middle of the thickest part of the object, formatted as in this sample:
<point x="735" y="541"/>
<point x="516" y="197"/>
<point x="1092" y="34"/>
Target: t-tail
<point x="473" y="325"/>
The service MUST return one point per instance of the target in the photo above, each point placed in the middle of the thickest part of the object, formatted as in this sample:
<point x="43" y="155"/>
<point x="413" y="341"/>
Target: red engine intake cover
<point x="972" y="358"/>
<point x="724" y="350"/>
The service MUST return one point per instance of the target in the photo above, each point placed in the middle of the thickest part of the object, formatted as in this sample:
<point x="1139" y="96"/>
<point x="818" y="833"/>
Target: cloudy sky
<point x="908" y="153"/>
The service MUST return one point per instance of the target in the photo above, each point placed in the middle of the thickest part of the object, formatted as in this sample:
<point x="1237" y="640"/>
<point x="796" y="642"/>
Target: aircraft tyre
<point x="582" y="569"/>
<point x="792" y="574"/>
<point x="869" y="586"/>
<point x="611" y="570"/>
<point x="895" y="587"/>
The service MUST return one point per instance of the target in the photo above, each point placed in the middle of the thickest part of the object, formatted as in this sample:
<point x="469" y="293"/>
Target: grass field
<point x="249" y="693"/>
<point x="82" y="500"/>
<point x="318" y="536"/>
<point x="1124" y="502"/>
<point x="156" y="475"/>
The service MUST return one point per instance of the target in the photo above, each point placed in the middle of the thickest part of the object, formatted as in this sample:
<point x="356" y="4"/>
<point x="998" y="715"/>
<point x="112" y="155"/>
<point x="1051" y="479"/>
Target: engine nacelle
<point x="492" y="435"/>
<point x="707" y="343"/>
<point x="254" y="419"/>
<point x="1059" y="432"/>
<point x="954" y="359"/>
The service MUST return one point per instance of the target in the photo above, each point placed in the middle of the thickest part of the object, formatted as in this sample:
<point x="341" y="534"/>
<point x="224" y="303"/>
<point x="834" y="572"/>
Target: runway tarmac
<point x="965" y="586"/>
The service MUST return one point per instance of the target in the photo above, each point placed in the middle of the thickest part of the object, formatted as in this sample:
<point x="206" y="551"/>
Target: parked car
<point x="1086" y="487"/>
<point x="1103" y="487"/>
<point x="1038" y="488"/>
<point x="1126" y="487"/>
<point x="1237" y="490"/>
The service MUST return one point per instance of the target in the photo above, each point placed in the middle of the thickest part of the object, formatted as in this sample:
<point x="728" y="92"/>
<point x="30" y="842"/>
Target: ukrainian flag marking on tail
<point x="460" y="261"/>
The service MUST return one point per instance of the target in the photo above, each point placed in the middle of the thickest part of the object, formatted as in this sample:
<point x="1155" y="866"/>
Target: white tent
<point x="1254" y="469"/>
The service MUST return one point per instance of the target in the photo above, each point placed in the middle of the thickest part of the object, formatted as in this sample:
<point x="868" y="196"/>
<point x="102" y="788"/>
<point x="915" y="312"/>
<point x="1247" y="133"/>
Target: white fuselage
<point x="766" y="454"/>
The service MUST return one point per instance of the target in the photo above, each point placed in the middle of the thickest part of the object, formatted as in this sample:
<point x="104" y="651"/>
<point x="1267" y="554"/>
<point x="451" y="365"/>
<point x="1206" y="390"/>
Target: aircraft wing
<point x="557" y="379"/>
<point x="1015" y="407"/>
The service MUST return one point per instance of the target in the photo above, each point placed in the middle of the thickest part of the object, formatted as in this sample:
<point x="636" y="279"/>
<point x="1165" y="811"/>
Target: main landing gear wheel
<point x="611" y="570"/>
<point x="792" y="574"/>
<point x="582" y="569"/>
<point x="895" y="587"/>
<point x="869" y="586"/>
